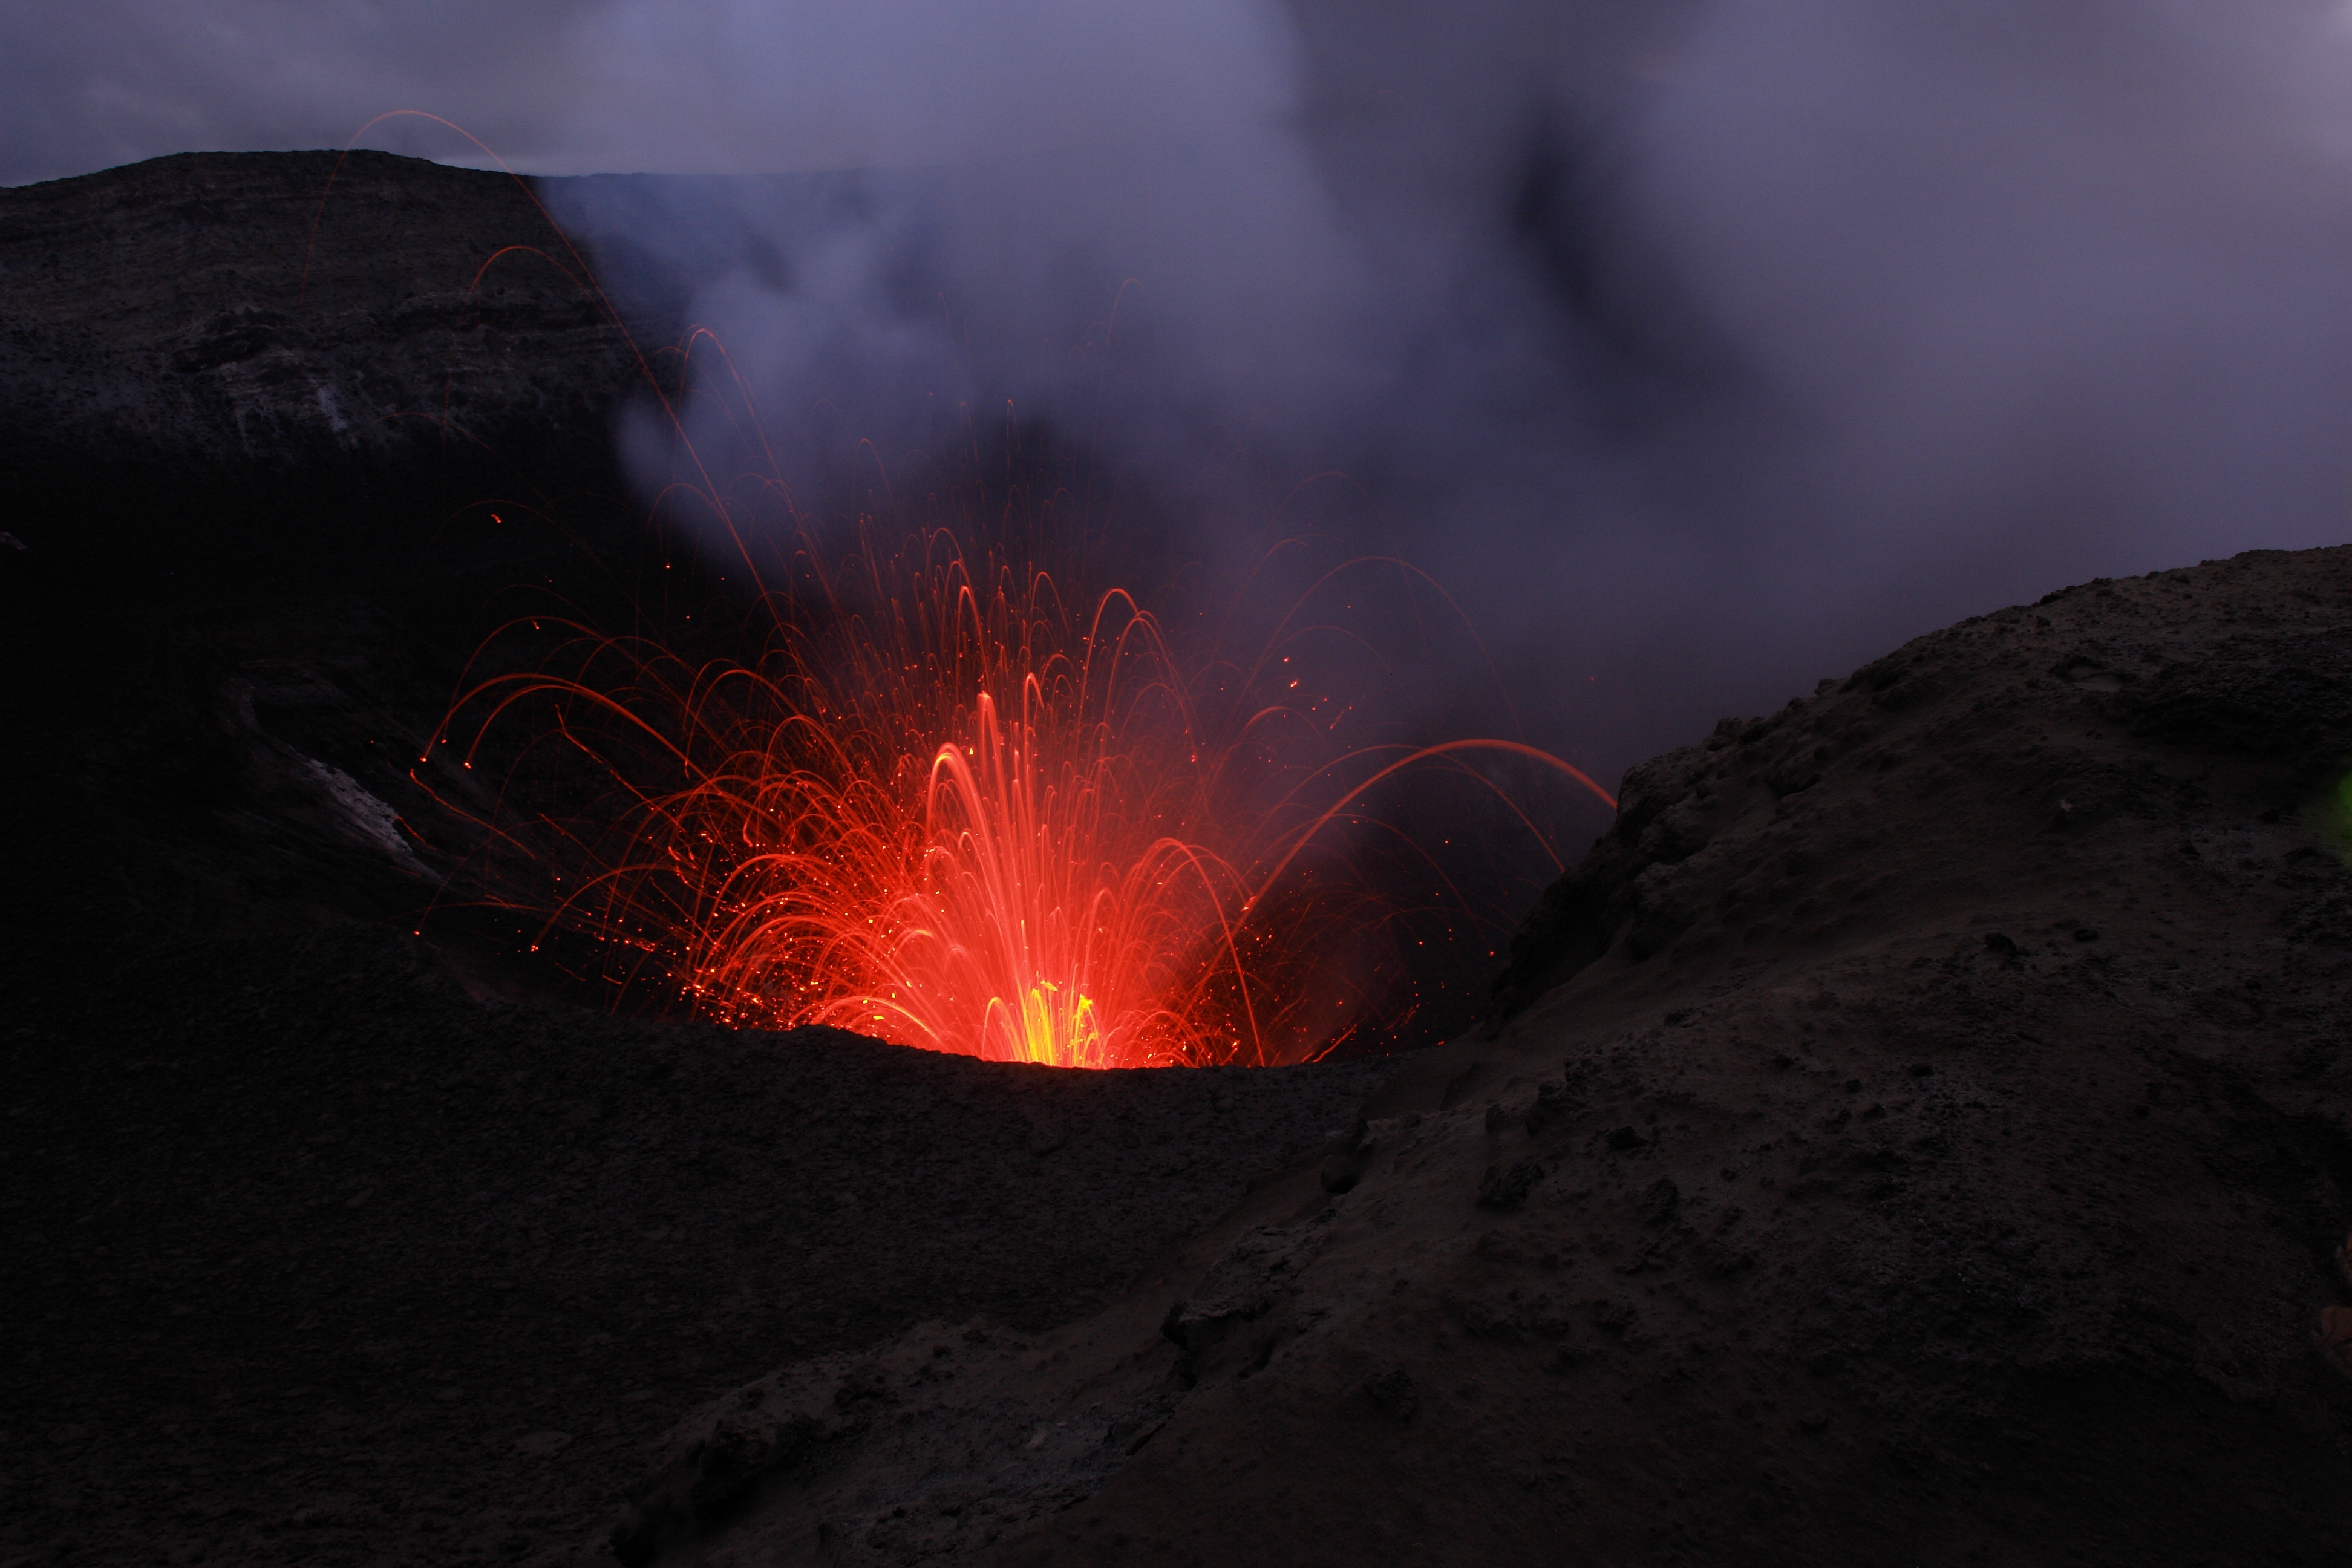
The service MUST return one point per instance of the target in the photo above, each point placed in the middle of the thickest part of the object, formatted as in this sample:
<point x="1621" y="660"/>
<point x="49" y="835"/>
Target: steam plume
<point x="1699" y="355"/>
<point x="1702" y="349"/>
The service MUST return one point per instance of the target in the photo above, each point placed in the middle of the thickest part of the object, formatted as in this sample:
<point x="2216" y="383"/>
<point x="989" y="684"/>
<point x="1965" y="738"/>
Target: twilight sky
<point x="603" y="86"/>
<point x="1702" y="348"/>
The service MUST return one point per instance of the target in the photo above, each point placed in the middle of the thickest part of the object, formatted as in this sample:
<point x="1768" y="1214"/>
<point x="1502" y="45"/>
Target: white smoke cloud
<point x="1701" y="349"/>
<point x="1037" y="187"/>
<point x="727" y="86"/>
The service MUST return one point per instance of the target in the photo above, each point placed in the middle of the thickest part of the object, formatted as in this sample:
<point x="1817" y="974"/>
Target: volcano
<point x="1916" y="1129"/>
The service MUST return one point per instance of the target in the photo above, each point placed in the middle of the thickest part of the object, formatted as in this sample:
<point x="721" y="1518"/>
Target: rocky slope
<point x="272" y="375"/>
<point x="1915" y="1133"/>
<point x="313" y="1259"/>
<point x="227" y="312"/>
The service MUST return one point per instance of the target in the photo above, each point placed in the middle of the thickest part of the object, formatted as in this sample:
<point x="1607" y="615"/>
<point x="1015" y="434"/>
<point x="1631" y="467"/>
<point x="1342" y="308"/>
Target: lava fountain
<point x="952" y="807"/>
<point x="955" y="801"/>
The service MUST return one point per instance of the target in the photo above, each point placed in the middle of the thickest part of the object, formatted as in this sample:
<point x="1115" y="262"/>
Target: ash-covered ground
<point x="314" y="1260"/>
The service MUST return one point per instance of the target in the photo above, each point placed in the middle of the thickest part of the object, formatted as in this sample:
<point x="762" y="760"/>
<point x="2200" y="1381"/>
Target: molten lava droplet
<point x="947" y="813"/>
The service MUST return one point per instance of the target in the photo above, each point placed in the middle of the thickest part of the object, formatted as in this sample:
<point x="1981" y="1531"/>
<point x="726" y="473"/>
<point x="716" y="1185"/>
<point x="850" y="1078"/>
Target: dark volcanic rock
<point x="312" y="1258"/>
<point x="2273" y="681"/>
<point x="227" y="312"/>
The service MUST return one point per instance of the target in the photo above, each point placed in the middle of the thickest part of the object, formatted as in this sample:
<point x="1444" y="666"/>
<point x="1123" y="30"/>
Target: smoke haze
<point x="1700" y="356"/>
<point x="1701" y="351"/>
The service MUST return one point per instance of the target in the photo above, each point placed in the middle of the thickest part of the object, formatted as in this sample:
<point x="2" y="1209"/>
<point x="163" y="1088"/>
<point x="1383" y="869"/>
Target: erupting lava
<point x="945" y="809"/>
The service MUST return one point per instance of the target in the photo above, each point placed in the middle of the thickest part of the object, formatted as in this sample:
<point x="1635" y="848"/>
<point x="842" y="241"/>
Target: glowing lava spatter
<point x="971" y="826"/>
<point x="944" y="810"/>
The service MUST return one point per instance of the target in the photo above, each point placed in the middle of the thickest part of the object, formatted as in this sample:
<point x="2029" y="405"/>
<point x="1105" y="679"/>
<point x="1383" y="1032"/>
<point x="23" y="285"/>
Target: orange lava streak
<point x="1029" y="888"/>
<point x="939" y="812"/>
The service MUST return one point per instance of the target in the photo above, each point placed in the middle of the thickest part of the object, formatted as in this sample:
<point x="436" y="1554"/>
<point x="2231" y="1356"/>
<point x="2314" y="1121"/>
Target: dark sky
<point x="1703" y="349"/>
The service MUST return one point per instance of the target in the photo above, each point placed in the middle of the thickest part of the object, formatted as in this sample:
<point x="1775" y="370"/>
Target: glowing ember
<point x="945" y="811"/>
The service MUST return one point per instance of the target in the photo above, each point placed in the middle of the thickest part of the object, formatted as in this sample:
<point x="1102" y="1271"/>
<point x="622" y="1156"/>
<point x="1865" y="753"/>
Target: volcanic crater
<point x="1917" y="1130"/>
